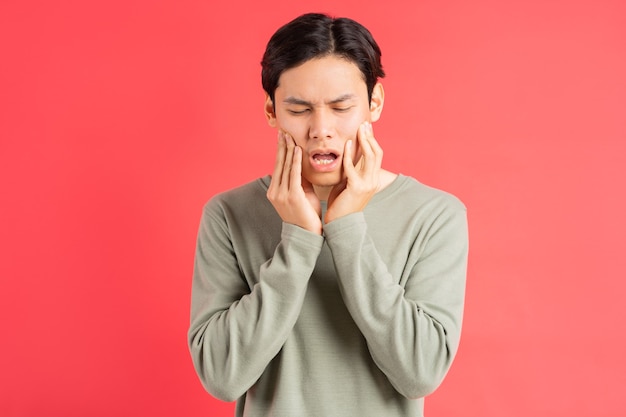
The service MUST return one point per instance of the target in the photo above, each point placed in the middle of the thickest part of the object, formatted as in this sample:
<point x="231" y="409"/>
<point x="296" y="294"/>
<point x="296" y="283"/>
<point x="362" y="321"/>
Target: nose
<point x="321" y="125"/>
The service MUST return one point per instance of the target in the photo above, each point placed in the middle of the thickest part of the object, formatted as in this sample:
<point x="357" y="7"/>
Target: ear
<point x="270" y="113"/>
<point x="377" y="101"/>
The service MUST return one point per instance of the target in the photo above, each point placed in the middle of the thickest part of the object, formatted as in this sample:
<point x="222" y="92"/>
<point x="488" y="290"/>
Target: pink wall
<point x="119" y="119"/>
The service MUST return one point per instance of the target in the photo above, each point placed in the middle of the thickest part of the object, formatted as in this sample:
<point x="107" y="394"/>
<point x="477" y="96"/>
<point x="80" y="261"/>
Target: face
<point x="321" y="104"/>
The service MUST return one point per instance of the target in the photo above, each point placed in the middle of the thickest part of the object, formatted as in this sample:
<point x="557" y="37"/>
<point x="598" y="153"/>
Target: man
<point x="333" y="287"/>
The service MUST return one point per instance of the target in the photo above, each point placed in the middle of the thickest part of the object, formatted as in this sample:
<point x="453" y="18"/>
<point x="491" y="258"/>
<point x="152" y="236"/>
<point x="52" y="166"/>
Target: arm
<point x="412" y="330"/>
<point x="236" y="330"/>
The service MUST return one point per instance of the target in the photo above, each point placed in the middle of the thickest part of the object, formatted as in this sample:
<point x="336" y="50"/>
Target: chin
<point x="329" y="179"/>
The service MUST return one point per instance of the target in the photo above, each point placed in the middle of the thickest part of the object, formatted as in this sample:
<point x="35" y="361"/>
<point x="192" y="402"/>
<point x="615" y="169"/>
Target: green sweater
<point x="362" y="321"/>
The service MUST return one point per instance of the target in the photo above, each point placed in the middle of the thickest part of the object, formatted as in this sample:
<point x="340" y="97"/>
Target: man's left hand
<point x="362" y="180"/>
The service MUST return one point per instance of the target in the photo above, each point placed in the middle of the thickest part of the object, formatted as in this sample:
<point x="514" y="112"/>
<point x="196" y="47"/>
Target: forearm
<point x="412" y="330"/>
<point x="236" y="330"/>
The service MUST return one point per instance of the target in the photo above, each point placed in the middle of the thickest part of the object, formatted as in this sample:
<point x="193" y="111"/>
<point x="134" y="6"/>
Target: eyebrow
<point x="300" y="102"/>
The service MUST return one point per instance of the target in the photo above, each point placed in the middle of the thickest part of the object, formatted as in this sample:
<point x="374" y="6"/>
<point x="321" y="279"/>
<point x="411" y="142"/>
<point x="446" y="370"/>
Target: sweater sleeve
<point x="412" y="330"/>
<point x="235" y="330"/>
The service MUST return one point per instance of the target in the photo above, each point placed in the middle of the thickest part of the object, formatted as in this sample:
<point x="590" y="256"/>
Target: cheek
<point x="350" y="125"/>
<point x="350" y="131"/>
<point x="296" y="130"/>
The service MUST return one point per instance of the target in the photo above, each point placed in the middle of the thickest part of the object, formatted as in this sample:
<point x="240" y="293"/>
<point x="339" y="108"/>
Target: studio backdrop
<point x="120" y="119"/>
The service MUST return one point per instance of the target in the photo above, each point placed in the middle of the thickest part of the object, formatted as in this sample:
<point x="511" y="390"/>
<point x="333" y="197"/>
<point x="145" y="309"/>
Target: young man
<point x="333" y="287"/>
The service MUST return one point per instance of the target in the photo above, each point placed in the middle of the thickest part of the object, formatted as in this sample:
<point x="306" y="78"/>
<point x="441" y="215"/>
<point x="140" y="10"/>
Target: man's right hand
<point x="291" y="195"/>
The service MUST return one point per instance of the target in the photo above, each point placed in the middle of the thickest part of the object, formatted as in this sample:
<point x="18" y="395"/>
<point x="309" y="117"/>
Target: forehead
<point x="322" y="79"/>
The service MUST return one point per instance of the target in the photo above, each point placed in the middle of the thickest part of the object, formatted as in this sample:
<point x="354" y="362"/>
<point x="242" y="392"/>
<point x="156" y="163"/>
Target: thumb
<point x="336" y="190"/>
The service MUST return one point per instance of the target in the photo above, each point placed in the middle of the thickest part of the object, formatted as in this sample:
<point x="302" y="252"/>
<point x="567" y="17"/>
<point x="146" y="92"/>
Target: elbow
<point x="219" y="383"/>
<point x="216" y="383"/>
<point x="429" y="370"/>
<point x="425" y="379"/>
<point x="215" y="373"/>
<point x="420" y="387"/>
<point x="222" y="390"/>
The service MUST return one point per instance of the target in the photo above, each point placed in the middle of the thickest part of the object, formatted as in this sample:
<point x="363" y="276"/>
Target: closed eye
<point x="297" y="112"/>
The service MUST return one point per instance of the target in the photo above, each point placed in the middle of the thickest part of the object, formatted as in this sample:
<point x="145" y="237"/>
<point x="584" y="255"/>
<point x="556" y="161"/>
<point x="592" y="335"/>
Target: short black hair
<point x="315" y="35"/>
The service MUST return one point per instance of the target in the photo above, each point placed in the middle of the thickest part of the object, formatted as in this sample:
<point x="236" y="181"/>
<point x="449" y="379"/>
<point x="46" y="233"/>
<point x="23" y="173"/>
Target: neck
<point x="322" y="192"/>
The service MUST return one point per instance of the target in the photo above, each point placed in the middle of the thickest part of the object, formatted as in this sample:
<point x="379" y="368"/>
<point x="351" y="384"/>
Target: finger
<point x="373" y="153"/>
<point x="289" y="143"/>
<point x="348" y="164"/>
<point x="280" y="161"/>
<point x="296" y="170"/>
<point x="376" y="149"/>
<point x="367" y="153"/>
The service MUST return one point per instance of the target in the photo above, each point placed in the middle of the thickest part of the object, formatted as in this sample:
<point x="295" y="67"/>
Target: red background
<point x="119" y="119"/>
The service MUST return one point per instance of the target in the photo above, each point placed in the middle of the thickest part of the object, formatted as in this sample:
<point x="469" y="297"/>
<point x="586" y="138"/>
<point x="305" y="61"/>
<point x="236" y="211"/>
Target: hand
<point x="291" y="195"/>
<point x="361" y="181"/>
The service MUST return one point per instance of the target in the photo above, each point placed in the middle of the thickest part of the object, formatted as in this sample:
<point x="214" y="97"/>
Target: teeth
<point x="323" y="161"/>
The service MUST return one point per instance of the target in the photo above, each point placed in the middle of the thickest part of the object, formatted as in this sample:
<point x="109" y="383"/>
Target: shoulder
<point x="409" y="193"/>
<point x="244" y="197"/>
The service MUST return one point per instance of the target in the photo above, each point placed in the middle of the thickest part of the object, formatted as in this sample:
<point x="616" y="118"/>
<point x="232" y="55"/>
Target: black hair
<point x="315" y="35"/>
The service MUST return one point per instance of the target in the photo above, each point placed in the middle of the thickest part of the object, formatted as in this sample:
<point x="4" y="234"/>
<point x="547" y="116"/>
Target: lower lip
<point x="329" y="167"/>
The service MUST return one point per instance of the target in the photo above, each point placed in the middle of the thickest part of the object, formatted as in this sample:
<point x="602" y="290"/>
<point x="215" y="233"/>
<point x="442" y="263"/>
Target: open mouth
<point x="324" y="158"/>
